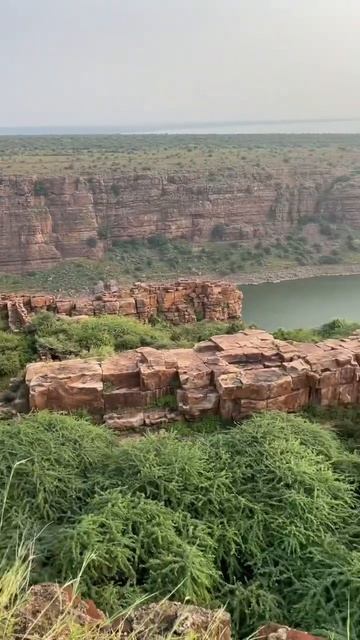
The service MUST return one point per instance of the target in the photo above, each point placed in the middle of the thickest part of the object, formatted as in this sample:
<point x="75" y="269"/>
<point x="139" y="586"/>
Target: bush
<point x="329" y="259"/>
<point x="15" y="351"/>
<point x="218" y="232"/>
<point x="40" y="188"/>
<point x="55" y="463"/>
<point x="262" y="517"/>
<point x="115" y="189"/>
<point x="334" y="329"/>
<point x="63" y="338"/>
<point x="91" y="242"/>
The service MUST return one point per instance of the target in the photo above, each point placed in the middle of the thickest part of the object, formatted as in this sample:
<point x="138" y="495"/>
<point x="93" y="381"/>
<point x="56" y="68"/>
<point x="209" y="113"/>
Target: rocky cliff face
<point x="180" y="302"/>
<point x="46" y="220"/>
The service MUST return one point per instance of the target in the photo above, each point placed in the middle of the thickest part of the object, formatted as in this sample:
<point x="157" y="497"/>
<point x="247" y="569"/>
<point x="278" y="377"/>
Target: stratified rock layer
<point x="46" y="220"/>
<point x="229" y="375"/>
<point x="180" y="302"/>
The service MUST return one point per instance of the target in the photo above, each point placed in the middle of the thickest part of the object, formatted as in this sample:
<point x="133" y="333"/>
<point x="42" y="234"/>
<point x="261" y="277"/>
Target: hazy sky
<point x="85" y="62"/>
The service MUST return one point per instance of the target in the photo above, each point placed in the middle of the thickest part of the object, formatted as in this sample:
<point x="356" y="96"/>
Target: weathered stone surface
<point x="281" y="632"/>
<point x="121" y="370"/>
<point x="66" y="386"/>
<point x="181" y="302"/>
<point x="172" y="619"/>
<point x="194" y="403"/>
<point x="203" y="380"/>
<point x="49" y="607"/>
<point x="128" y="421"/>
<point x="254" y="384"/>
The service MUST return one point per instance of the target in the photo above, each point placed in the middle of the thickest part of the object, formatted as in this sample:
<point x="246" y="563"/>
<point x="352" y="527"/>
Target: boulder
<point x="174" y="620"/>
<point x="66" y="386"/>
<point x="281" y="632"/>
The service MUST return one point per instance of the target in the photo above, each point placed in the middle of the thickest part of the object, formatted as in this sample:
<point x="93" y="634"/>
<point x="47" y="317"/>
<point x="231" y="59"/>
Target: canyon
<point x="45" y="220"/>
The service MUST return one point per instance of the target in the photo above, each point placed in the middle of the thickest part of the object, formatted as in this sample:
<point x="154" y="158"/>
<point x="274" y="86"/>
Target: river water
<point x="303" y="303"/>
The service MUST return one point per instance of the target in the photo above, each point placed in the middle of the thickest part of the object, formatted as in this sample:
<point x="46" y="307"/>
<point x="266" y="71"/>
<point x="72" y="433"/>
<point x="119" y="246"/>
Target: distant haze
<point x="152" y="62"/>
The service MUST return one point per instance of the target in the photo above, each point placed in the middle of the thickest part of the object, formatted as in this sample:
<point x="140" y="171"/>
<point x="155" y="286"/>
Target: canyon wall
<point x="229" y="375"/>
<point x="45" y="220"/>
<point x="180" y="302"/>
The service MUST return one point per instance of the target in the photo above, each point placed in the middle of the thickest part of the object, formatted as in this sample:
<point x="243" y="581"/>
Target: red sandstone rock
<point x="194" y="403"/>
<point x="143" y="302"/>
<point x="49" y="607"/>
<point x="280" y="632"/>
<point x="40" y="231"/>
<point x="131" y="420"/>
<point x="205" y="381"/>
<point x="121" y="371"/>
<point x="66" y="386"/>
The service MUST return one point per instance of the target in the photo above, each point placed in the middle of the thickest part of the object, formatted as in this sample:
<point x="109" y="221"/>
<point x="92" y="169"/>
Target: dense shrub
<point x="91" y="242"/>
<point x="329" y="259"/>
<point x="15" y="351"/>
<point x="50" y="466"/>
<point x="218" y="232"/>
<point x="263" y="517"/>
<point x="105" y="334"/>
<point x="40" y="188"/>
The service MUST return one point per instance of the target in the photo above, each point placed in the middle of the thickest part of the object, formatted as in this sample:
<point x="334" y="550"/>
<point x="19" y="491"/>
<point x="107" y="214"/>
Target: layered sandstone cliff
<point x="45" y="220"/>
<point x="180" y="302"/>
<point x="229" y="375"/>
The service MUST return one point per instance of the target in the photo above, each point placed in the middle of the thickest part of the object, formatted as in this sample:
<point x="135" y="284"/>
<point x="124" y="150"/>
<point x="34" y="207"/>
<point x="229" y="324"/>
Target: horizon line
<point x="178" y="124"/>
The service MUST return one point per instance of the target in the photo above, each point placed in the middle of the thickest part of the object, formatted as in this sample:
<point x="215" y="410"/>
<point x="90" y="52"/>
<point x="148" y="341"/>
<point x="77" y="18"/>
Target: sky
<point x="126" y="62"/>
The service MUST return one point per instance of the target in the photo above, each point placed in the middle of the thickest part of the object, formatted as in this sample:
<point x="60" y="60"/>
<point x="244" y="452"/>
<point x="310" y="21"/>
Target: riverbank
<point x="294" y="273"/>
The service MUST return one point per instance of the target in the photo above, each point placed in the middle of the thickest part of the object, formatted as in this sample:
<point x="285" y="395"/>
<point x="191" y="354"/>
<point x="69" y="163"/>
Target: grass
<point x="273" y="533"/>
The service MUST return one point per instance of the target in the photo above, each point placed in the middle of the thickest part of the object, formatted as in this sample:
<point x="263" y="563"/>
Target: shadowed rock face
<point x="180" y="302"/>
<point x="43" y="221"/>
<point x="231" y="375"/>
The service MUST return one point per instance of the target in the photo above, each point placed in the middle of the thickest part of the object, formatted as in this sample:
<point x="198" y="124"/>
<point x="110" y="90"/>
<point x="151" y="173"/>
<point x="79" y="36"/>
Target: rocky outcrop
<point x="280" y="632"/>
<point x="46" y="220"/>
<point x="180" y="302"/>
<point x="229" y="375"/>
<point x="52" y="611"/>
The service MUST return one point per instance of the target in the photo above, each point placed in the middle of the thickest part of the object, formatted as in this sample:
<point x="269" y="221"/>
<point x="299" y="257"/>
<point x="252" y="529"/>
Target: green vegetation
<point x="273" y="532"/>
<point x="216" y="155"/>
<point x="161" y="258"/>
<point x="105" y="335"/>
<point x="334" y="329"/>
<point x="15" y="351"/>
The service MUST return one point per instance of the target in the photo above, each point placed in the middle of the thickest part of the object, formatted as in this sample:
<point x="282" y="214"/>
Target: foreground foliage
<point x="263" y="517"/>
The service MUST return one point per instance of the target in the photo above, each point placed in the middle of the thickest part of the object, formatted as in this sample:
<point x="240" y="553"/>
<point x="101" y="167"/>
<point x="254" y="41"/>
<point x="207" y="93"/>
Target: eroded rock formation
<point x="46" y="220"/>
<point x="229" y="375"/>
<point x="180" y="302"/>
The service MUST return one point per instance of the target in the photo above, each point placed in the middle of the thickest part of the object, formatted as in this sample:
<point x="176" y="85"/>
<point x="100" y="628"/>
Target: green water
<point x="302" y="303"/>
